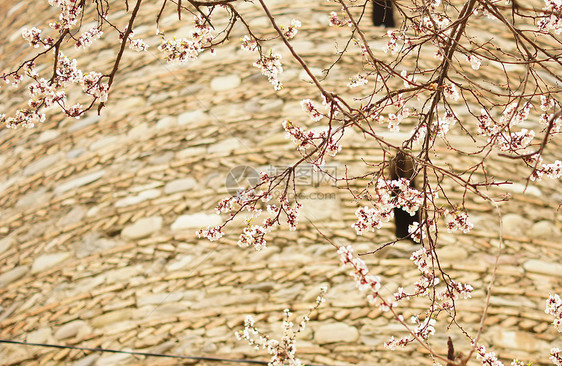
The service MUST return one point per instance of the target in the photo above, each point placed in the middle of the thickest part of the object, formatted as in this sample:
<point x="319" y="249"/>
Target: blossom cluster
<point x="291" y="31"/>
<point x="548" y="103"/>
<point x="435" y="23"/>
<point x="458" y="221"/>
<point x="69" y="12"/>
<point x="270" y="66"/>
<point x="88" y="38"/>
<point x="422" y="330"/>
<point x="364" y="280"/>
<point x="554" y="308"/>
<point x="46" y="93"/>
<point x="474" y="61"/>
<point x="383" y="204"/>
<point x="445" y="123"/>
<point x="184" y="49"/>
<point x="454" y="291"/>
<point x="283" y="352"/>
<point x="487" y="358"/>
<point x="335" y="21"/>
<point x="486" y="125"/>
<point x="422" y="259"/>
<point x="32" y="36"/>
<point x="419" y="232"/>
<point x="388" y="195"/>
<point x="248" y="200"/>
<point x="92" y="85"/>
<point x="500" y="132"/>
<point x="311" y="139"/>
<point x="396" y="41"/>
<point x="312" y="110"/>
<point x="409" y="79"/>
<point x="451" y="92"/>
<point x="556" y="356"/>
<point x="551" y="19"/>
<point x="394" y="119"/>
<point x="512" y="116"/>
<point x="249" y="44"/>
<point x="515" y="140"/>
<point x="552" y="171"/>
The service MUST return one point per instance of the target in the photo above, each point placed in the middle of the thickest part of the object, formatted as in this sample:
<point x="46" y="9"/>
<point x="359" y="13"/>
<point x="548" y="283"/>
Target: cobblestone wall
<point x="97" y="217"/>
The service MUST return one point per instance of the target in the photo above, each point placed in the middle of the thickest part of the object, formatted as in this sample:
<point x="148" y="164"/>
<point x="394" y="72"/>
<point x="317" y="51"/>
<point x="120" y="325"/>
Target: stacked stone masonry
<point x="98" y="217"/>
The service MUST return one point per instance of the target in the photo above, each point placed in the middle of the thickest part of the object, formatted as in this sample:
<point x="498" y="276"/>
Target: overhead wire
<point x="139" y="353"/>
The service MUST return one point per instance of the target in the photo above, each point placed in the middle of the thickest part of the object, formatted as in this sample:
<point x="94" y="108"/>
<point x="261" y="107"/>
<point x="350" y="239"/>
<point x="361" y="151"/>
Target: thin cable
<point x="137" y="353"/>
<point x="151" y="354"/>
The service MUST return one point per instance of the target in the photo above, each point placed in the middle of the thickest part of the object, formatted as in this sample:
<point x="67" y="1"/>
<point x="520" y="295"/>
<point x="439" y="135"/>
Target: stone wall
<point x="98" y="218"/>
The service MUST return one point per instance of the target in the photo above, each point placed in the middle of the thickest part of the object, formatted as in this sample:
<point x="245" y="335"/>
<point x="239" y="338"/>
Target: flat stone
<point x="239" y="299"/>
<point x="112" y="317"/>
<point x="114" y="359"/>
<point x="252" y="107"/>
<point x="160" y="159"/>
<point x="157" y="299"/>
<point x="127" y="104"/>
<point x="164" y="347"/>
<point x="47" y="135"/>
<point x="141" y="197"/>
<point x="122" y="274"/>
<point x="521" y="189"/>
<point x="516" y="225"/>
<point x="219" y="113"/>
<point x="89" y="360"/>
<point x="103" y="142"/>
<point x="8" y="183"/>
<point x="303" y="46"/>
<point x="74" y="216"/>
<point x="41" y="164"/>
<point x="74" y="153"/>
<point x="180" y="263"/>
<point x="335" y="332"/>
<point x="191" y="152"/>
<point x="226" y="146"/>
<point x="35" y="198"/>
<point x="191" y="89"/>
<point x="277" y="139"/>
<point x="85" y="285"/>
<point x="288" y="293"/>
<point x="92" y="243"/>
<point x="196" y="221"/>
<point x="142" y="228"/>
<point x="84" y="123"/>
<point x="139" y="132"/>
<point x="79" y="182"/>
<point x="46" y="261"/>
<point x="69" y="330"/>
<point x="320" y="209"/>
<point x="166" y="123"/>
<point x="316" y="71"/>
<point x="191" y="117"/>
<point x="452" y="253"/>
<point x="545" y="230"/>
<point x="227" y="82"/>
<point x="263" y="286"/>
<point x="13" y="275"/>
<point x="542" y="267"/>
<point x="519" y="340"/>
<point x="180" y="185"/>
<point x="6" y="243"/>
<point x="41" y="335"/>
